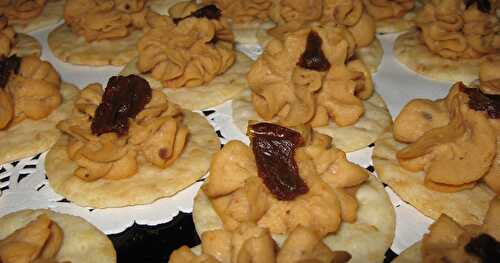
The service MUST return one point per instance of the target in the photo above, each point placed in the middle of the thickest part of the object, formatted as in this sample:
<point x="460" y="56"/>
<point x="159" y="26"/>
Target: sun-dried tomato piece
<point x="8" y="66"/>
<point x="485" y="247"/>
<point x="123" y="98"/>
<point x="479" y="101"/>
<point x="482" y="5"/>
<point x="274" y="148"/>
<point x="313" y="57"/>
<point x="209" y="12"/>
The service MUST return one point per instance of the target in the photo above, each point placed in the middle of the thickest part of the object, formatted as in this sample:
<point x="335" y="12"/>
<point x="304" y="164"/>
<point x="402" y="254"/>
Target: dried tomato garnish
<point x="479" y="101"/>
<point x="313" y="57"/>
<point x="123" y="98"/>
<point x="274" y="148"/>
<point x="8" y="66"/>
<point x="484" y="246"/>
<point x="482" y="5"/>
<point x="209" y="12"/>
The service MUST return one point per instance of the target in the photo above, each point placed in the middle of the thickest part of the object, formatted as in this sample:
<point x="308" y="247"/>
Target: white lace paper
<point x="23" y="184"/>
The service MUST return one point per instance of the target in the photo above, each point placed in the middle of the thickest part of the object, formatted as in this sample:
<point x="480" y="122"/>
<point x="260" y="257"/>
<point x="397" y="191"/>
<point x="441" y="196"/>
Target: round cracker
<point x="366" y="240"/>
<point x="415" y="55"/>
<point x="400" y="24"/>
<point x="82" y="243"/>
<point x="371" y="55"/>
<point x="149" y="184"/>
<point x="162" y="6"/>
<point x="349" y="138"/>
<point x="410" y="255"/>
<point x="52" y="14"/>
<point x="34" y="136"/>
<point x="72" y="48"/>
<point x="26" y="45"/>
<point x="394" y="25"/>
<point x="465" y="207"/>
<point x="220" y="89"/>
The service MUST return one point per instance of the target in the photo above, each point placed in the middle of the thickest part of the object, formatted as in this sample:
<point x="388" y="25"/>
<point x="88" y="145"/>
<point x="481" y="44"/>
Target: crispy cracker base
<point x="222" y="88"/>
<point x="413" y="53"/>
<point x="82" y="243"/>
<point x="410" y="255"/>
<point x="349" y="138"/>
<point x="465" y="207"/>
<point x="51" y="15"/>
<point x="149" y="184"/>
<point x="31" y="137"/>
<point x="26" y="45"/>
<point x="366" y="240"/>
<point x="74" y="49"/>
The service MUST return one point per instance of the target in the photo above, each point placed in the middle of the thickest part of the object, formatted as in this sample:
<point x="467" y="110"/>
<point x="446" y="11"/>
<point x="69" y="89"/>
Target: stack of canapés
<point x="291" y="194"/>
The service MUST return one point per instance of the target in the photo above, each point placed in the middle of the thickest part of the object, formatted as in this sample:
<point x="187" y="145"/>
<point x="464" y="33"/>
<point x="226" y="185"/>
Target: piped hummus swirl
<point x="243" y="11"/>
<point x="104" y="19"/>
<point x="31" y="90"/>
<point x="189" y="50"/>
<point x="448" y="241"/>
<point x="251" y="243"/>
<point x="385" y="9"/>
<point x="7" y="37"/>
<point x="239" y="193"/>
<point x="22" y="9"/>
<point x="291" y="94"/>
<point x="453" y="30"/>
<point x="453" y="140"/>
<point x="353" y="15"/>
<point x="39" y="241"/>
<point x="107" y="145"/>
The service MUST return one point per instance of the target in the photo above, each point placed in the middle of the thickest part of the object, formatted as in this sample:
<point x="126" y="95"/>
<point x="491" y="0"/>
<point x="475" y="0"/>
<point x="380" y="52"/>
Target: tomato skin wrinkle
<point x="274" y="149"/>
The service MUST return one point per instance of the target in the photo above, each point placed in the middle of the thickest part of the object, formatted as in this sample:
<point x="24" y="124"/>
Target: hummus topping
<point x="452" y="30"/>
<point x="292" y="15"/>
<point x="243" y="11"/>
<point x="29" y="90"/>
<point x="353" y="15"/>
<point x="187" y="54"/>
<point x="22" y="9"/>
<point x="250" y="243"/>
<point x="105" y="19"/>
<point x="38" y="241"/>
<point x="386" y="9"/>
<point x="286" y="91"/>
<point x="239" y="195"/>
<point x="447" y="241"/>
<point x="7" y="37"/>
<point x="454" y="144"/>
<point x="155" y="131"/>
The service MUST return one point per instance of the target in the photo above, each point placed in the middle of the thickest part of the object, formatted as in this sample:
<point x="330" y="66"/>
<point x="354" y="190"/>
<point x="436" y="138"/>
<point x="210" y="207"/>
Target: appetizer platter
<point x="249" y="131"/>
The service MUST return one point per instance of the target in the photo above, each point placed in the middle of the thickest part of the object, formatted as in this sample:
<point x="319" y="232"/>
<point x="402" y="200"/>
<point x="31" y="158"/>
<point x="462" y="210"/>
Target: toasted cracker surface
<point x="410" y="255"/>
<point x="414" y="54"/>
<point x="74" y="49"/>
<point x="82" y="243"/>
<point x="26" y="45"/>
